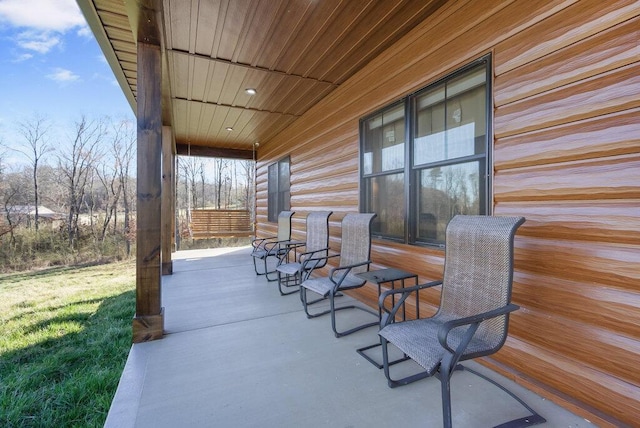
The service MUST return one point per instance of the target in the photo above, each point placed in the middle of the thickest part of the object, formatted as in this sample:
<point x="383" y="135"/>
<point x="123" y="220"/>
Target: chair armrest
<point x="285" y="249"/>
<point x="389" y="316"/>
<point x="473" y="321"/>
<point x="346" y="269"/>
<point x="258" y="242"/>
<point x="275" y="247"/>
<point x="310" y="264"/>
<point x="309" y="255"/>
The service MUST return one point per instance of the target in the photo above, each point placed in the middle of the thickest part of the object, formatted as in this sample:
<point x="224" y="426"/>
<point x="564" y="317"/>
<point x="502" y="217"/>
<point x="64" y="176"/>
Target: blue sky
<point x="51" y="65"/>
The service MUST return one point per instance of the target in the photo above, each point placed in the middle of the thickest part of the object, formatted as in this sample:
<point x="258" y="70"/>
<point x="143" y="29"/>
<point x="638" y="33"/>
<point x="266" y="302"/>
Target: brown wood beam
<point x="167" y="199"/>
<point x="213" y="152"/>
<point x="148" y="323"/>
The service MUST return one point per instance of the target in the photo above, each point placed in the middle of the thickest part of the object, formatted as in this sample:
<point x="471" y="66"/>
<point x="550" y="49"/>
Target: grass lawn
<point x="65" y="334"/>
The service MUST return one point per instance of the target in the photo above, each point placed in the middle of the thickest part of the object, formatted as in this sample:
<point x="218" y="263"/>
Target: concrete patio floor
<point x="237" y="354"/>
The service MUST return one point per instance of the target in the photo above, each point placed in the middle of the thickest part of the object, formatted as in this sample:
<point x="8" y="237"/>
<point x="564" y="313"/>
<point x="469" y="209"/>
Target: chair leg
<point x="287" y="279"/>
<point x="445" y="388"/>
<point x="333" y="311"/>
<point x="386" y="364"/>
<point x="305" y="304"/>
<point x="255" y="267"/>
<point x="267" y="272"/>
<point x="533" y="419"/>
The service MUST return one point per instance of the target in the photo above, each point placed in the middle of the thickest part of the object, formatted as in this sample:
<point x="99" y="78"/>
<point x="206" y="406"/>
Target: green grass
<point x="65" y="334"/>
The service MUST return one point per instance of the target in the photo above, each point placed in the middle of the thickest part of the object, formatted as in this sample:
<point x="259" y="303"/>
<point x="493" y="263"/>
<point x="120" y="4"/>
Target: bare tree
<point x="220" y="165"/>
<point x="123" y="150"/>
<point x="13" y="197"/>
<point x="202" y="183"/>
<point x="248" y="172"/>
<point x="76" y="163"/>
<point x="35" y="146"/>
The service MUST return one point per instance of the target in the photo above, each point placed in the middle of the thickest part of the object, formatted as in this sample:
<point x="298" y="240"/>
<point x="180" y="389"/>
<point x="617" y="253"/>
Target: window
<point x="425" y="159"/>
<point x="278" y="189"/>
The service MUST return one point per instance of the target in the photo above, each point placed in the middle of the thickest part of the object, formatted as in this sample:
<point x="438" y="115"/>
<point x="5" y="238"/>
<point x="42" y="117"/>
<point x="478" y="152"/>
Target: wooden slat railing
<point x="220" y="224"/>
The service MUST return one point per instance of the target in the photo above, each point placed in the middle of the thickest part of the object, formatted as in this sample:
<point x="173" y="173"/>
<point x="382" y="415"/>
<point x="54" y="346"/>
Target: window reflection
<point x="445" y="192"/>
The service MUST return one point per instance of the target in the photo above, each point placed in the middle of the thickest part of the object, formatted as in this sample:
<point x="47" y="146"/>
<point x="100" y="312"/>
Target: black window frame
<point x="278" y="188"/>
<point x="411" y="172"/>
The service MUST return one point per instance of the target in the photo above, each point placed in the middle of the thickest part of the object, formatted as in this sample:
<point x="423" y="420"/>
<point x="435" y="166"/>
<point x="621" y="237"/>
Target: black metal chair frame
<point x="272" y="246"/>
<point x="316" y="248"/>
<point x="341" y="278"/>
<point x="456" y="347"/>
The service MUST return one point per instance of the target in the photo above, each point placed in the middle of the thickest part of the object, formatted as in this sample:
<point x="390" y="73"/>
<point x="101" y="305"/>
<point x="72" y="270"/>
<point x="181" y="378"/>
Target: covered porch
<point x="236" y="353"/>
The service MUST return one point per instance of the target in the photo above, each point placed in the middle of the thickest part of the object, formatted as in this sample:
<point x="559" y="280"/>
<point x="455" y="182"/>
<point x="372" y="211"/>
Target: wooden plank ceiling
<point x="292" y="52"/>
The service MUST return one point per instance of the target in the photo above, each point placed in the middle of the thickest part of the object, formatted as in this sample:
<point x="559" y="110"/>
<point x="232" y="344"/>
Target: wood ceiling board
<point x="297" y="89"/>
<point x="288" y="25"/>
<point x="180" y="119"/>
<point x="129" y="67"/>
<point x="127" y="57"/>
<point x="200" y="75"/>
<point x="267" y="90"/>
<point x="179" y="75"/>
<point x="114" y="6"/>
<point x="260" y="29"/>
<point x="232" y="85"/>
<point x="210" y="15"/>
<point x="256" y="79"/>
<point x="348" y="47"/>
<point x="218" y="72"/>
<point x="238" y="14"/>
<point x="177" y="24"/>
<point x="373" y="42"/>
<point x="273" y="123"/>
<point x="218" y="122"/>
<point x="204" y="130"/>
<point x="337" y="29"/>
<point x="241" y="129"/>
<point x="123" y="46"/>
<point x="194" y="112"/>
<point x="311" y="30"/>
<point x="116" y="20"/>
<point x="119" y="34"/>
<point x="317" y="92"/>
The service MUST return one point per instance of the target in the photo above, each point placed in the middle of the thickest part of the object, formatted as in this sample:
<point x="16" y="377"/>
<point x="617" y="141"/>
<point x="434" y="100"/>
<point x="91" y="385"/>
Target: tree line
<point x="87" y="177"/>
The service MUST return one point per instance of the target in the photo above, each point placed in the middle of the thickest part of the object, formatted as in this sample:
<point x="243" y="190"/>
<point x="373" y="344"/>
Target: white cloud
<point x="41" y="42"/>
<point x="43" y="15"/>
<point x="63" y="75"/>
<point x="23" y="57"/>
<point x="42" y="23"/>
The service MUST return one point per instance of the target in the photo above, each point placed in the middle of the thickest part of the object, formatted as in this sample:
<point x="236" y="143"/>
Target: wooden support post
<point x="167" y="199"/>
<point x="148" y="323"/>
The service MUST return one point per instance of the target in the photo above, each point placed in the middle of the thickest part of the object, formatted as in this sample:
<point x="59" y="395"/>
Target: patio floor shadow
<point x="237" y="354"/>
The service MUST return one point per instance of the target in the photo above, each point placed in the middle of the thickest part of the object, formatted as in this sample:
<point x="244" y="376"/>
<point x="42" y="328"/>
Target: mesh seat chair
<point x="273" y="246"/>
<point x="475" y="303"/>
<point x="354" y="257"/>
<point x="314" y="256"/>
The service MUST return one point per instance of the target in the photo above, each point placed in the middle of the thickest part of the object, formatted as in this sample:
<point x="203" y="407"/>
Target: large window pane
<point x="450" y="120"/>
<point x="384" y="141"/>
<point x="278" y="184"/>
<point x="444" y="192"/>
<point x="443" y="164"/>
<point x="384" y="195"/>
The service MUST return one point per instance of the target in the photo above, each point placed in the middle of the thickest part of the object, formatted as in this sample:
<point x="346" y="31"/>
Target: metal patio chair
<point x="354" y="257"/>
<point x="273" y="246"/>
<point x="475" y="302"/>
<point x="316" y="249"/>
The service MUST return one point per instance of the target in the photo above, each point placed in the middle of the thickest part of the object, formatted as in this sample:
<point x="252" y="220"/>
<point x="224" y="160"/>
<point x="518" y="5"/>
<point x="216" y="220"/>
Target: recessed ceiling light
<point x="251" y="91"/>
<point x="228" y="128"/>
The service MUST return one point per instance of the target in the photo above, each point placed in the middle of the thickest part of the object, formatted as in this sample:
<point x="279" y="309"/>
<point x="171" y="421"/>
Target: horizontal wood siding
<point x="566" y="156"/>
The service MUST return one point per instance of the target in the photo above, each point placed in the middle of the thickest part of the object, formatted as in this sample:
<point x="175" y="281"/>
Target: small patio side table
<point x="392" y="276"/>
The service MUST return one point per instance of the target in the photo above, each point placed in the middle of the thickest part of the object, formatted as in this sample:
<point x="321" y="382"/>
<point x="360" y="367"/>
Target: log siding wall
<point x="566" y="156"/>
